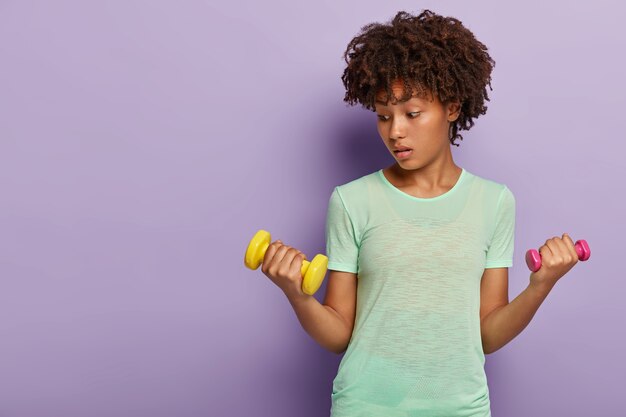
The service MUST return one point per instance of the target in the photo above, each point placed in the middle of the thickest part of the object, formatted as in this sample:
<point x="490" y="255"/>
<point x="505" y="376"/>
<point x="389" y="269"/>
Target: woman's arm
<point x="505" y="322"/>
<point x="330" y="324"/>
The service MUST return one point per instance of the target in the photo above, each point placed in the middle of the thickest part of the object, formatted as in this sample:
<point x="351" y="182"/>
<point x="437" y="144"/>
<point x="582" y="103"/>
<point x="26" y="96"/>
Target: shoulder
<point x="355" y="197"/>
<point x="490" y="189"/>
<point x="356" y="191"/>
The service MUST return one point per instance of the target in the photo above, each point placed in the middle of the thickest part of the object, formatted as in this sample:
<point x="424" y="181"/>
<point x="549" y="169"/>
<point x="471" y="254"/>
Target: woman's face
<point x="421" y="124"/>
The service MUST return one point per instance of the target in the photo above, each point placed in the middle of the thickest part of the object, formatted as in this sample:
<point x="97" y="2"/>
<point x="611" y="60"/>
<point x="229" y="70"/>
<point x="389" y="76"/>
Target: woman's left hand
<point x="558" y="256"/>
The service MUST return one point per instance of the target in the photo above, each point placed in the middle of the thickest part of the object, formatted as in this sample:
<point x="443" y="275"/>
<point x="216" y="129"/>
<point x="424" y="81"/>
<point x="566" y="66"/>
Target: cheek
<point x="381" y="130"/>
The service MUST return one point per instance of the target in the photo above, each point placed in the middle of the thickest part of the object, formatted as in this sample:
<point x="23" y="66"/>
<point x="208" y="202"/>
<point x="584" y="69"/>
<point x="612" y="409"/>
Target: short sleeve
<point x="341" y="245"/>
<point x="500" y="252"/>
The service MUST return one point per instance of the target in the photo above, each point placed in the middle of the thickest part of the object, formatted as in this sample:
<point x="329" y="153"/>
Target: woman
<point x="418" y="251"/>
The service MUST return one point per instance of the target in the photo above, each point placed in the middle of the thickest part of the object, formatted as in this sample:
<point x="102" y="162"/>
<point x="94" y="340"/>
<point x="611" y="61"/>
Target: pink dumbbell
<point x="533" y="258"/>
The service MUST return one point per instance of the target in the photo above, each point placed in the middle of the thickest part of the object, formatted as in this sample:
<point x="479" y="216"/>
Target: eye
<point x="412" y="115"/>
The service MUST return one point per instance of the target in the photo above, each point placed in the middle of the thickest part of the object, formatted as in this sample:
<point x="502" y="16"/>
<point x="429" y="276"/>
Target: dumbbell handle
<point x="305" y="264"/>
<point x="312" y="273"/>
<point x="533" y="257"/>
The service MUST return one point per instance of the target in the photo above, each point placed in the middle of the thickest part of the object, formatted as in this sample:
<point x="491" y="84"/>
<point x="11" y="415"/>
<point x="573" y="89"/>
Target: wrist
<point x="298" y="298"/>
<point x="540" y="288"/>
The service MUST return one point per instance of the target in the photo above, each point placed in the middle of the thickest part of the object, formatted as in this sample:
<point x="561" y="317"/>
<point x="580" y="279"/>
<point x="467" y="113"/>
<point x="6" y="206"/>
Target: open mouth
<point x="405" y="153"/>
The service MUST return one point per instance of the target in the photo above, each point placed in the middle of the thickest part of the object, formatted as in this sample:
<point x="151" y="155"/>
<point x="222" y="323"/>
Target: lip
<point x="406" y="154"/>
<point x="401" y="148"/>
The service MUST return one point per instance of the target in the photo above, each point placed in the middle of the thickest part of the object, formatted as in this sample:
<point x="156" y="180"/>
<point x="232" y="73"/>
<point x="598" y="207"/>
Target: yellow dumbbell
<point x="313" y="272"/>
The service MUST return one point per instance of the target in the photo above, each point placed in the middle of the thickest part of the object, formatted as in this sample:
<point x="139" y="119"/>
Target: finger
<point x="544" y="250"/>
<point x="570" y="245"/>
<point x="300" y="253"/>
<point x="287" y="260"/>
<point x="270" y="255"/>
<point x="269" y="252"/>
<point x="296" y="262"/>
<point x="563" y="250"/>
<point x="281" y="252"/>
<point x="557" y="250"/>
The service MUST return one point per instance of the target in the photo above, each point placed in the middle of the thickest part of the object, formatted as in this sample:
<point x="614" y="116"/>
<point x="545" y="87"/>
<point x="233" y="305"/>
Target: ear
<point x="453" y="108"/>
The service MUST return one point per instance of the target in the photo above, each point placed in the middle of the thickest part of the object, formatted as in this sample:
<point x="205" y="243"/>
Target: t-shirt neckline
<point x="414" y="198"/>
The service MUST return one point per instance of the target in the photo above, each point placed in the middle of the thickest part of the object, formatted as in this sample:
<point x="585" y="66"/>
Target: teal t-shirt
<point x="416" y="348"/>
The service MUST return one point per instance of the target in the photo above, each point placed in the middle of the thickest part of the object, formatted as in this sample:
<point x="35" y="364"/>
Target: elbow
<point x="339" y="350"/>
<point x="486" y="348"/>
<point x="489" y="349"/>
<point x="346" y="338"/>
<point x="484" y="339"/>
<point x="342" y="347"/>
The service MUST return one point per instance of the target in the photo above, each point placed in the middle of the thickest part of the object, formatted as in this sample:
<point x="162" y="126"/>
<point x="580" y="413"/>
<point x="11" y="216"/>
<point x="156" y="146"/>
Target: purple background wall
<point x="142" y="143"/>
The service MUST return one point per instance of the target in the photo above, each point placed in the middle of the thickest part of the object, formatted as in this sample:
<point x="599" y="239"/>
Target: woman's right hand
<point x="282" y="264"/>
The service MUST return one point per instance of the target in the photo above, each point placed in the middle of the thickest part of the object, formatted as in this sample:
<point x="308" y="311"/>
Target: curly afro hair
<point x="434" y="54"/>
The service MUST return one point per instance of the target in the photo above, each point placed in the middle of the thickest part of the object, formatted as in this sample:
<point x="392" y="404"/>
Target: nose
<point x="397" y="130"/>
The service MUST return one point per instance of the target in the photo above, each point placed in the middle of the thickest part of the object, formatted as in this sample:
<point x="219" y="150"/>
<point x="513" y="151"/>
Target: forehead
<point x="397" y="89"/>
